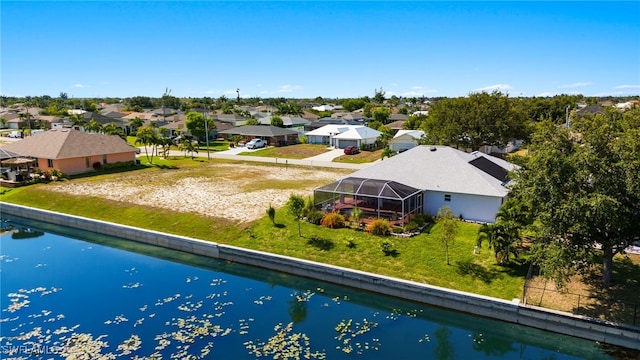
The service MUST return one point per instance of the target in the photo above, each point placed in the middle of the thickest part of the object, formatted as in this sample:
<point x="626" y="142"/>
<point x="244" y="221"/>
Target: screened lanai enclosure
<point x="386" y="199"/>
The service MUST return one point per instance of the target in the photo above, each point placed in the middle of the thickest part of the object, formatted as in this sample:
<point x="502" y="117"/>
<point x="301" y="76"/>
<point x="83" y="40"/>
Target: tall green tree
<point x="196" y="124"/>
<point x="295" y="206"/>
<point x="448" y="225"/>
<point x="581" y="188"/>
<point x="381" y="114"/>
<point x="277" y="121"/>
<point x="476" y="120"/>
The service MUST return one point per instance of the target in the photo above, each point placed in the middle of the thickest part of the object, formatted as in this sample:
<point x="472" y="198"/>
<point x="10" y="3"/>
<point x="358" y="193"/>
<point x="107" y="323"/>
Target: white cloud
<point x="627" y="87"/>
<point x="418" y="91"/>
<point x="574" y="85"/>
<point x="495" y="87"/>
<point x="545" y="94"/>
<point x="79" y="86"/>
<point x="289" y="88"/>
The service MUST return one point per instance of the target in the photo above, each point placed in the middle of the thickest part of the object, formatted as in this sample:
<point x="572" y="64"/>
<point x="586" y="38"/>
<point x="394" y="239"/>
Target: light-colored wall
<point x="78" y="165"/>
<point x="402" y="143"/>
<point x="317" y="139"/>
<point x="472" y="207"/>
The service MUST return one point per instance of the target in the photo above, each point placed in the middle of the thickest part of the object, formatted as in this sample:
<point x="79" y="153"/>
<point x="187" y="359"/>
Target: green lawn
<point x="360" y="158"/>
<point x="298" y="151"/>
<point x="420" y="258"/>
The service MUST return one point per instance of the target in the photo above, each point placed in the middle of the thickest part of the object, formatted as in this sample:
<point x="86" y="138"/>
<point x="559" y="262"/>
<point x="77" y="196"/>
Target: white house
<point x="405" y="140"/>
<point x="473" y="185"/>
<point x="356" y="136"/>
<point x="340" y="136"/>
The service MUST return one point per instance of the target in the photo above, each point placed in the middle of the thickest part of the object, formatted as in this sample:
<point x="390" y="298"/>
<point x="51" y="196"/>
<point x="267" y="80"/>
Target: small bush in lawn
<point x="388" y="248"/>
<point x="271" y="212"/>
<point x="333" y="220"/>
<point x="351" y="244"/>
<point x="379" y="227"/>
<point x="315" y="216"/>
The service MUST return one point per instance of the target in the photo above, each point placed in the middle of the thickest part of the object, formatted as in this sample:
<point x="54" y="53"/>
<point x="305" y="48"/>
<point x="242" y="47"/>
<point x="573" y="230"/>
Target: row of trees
<point x="577" y="196"/>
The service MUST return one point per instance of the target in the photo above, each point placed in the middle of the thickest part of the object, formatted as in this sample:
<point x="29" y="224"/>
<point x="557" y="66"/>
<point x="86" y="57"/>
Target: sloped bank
<point x="510" y="311"/>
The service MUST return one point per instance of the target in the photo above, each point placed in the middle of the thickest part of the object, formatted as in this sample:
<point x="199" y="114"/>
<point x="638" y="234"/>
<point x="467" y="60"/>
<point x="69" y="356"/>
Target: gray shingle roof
<point x="444" y="169"/>
<point x="69" y="143"/>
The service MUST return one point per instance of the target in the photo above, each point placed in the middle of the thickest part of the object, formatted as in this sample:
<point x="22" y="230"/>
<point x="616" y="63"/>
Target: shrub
<point x="351" y="244"/>
<point x="397" y="230"/>
<point x="308" y="206"/>
<point x="356" y="215"/>
<point x="333" y="220"/>
<point x="57" y="174"/>
<point x="379" y="227"/>
<point x="411" y="226"/>
<point x="271" y="212"/>
<point x="303" y="139"/>
<point x="388" y="248"/>
<point x="97" y="166"/>
<point x="423" y="219"/>
<point x="315" y="216"/>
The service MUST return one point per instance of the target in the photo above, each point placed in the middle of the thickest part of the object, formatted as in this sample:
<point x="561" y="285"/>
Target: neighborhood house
<point x="422" y="180"/>
<point x="340" y="136"/>
<point x="72" y="151"/>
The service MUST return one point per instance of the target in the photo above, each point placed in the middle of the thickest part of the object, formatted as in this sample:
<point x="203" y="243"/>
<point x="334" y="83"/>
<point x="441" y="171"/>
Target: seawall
<point x="510" y="311"/>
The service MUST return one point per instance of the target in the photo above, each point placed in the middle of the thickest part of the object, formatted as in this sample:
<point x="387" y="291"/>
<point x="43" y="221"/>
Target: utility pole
<point x="206" y="129"/>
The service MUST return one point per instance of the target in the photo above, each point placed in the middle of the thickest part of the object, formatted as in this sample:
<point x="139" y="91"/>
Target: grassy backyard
<point x="361" y="157"/>
<point x="420" y="258"/>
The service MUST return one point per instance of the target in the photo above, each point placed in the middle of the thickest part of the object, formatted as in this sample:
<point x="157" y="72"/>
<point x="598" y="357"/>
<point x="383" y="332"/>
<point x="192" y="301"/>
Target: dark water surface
<point x="74" y="294"/>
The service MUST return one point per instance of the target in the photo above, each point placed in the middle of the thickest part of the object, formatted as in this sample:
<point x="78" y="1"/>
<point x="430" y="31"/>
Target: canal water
<point x="79" y="295"/>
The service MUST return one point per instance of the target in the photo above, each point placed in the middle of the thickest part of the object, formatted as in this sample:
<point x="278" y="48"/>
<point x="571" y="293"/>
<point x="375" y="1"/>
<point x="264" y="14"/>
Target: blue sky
<point x="330" y="49"/>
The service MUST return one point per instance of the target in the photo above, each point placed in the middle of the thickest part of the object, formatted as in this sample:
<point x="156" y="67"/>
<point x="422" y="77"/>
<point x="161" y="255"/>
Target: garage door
<point x="344" y="143"/>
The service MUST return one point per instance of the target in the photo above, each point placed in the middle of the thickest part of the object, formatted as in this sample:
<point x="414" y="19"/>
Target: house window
<point x="87" y="161"/>
<point x="447" y="197"/>
<point x="50" y="163"/>
<point x="104" y="158"/>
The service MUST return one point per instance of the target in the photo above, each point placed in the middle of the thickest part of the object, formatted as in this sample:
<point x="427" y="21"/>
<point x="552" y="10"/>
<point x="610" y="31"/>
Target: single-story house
<point x="340" y="136"/>
<point x="274" y="135"/>
<point x="405" y="139"/>
<point x="72" y="151"/>
<point x="422" y="180"/>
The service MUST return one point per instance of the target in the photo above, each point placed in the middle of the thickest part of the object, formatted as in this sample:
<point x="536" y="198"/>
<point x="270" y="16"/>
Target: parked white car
<point x="256" y="144"/>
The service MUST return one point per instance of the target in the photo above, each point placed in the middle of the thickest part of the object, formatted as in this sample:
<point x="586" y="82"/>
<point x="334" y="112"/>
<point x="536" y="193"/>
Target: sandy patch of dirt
<point x="223" y="193"/>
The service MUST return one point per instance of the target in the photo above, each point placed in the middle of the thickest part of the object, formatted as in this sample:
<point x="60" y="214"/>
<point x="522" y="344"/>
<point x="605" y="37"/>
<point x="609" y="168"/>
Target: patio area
<point x="377" y="199"/>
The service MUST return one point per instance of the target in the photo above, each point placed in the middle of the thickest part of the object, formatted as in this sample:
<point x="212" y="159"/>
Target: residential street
<point x="322" y="160"/>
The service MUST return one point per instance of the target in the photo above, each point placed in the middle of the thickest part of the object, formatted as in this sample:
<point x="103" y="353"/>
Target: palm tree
<point x="187" y="145"/>
<point x="113" y="129"/>
<point x="146" y="136"/>
<point x="78" y="120"/>
<point x="135" y="123"/>
<point x="94" y="126"/>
